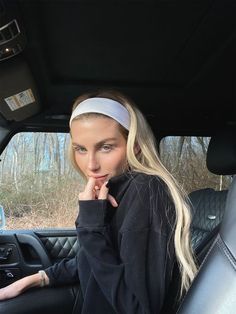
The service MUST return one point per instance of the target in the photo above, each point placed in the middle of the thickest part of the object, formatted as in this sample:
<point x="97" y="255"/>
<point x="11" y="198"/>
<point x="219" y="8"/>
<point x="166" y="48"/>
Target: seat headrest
<point x="221" y="153"/>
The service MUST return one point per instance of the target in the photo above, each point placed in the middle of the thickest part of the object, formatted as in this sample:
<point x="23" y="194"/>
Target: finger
<point x="90" y="184"/>
<point x="103" y="193"/>
<point x="96" y="193"/>
<point x="88" y="193"/>
<point x="112" y="200"/>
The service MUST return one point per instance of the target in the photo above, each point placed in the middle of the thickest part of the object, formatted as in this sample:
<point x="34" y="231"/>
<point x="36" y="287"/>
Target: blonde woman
<point x="133" y="222"/>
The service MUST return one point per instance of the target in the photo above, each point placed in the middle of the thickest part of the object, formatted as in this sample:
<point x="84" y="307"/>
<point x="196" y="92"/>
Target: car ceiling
<point x="176" y="59"/>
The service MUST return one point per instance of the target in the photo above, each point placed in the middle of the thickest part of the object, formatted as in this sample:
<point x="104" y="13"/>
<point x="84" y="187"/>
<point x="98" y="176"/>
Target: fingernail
<point x="115" y="204"/>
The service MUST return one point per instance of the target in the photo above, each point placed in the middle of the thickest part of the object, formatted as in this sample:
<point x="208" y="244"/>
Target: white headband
<point x="106" y="106"/>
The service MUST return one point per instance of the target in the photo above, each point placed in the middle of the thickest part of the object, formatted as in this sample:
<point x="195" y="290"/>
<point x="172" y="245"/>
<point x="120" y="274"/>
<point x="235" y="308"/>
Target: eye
<point x="79" y="149"/>
<point x="106" y="148"/>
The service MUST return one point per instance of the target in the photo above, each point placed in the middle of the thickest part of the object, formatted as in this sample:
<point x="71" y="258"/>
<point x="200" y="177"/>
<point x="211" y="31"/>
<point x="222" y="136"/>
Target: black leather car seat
<point x="208" y="206"/>
<point x="214" y="288"/>
<point x="207" y="209"/>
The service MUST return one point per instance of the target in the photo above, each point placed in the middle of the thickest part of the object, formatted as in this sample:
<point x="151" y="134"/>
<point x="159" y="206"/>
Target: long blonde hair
<point x="147" y="161"/>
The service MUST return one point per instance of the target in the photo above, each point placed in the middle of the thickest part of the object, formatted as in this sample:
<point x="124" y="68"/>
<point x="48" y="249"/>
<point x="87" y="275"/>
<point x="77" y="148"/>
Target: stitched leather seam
<point x="221" y="244"/>
<point x="61" y="247"/>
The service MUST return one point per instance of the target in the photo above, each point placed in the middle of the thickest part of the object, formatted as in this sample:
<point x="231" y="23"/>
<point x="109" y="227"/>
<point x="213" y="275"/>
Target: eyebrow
<point x="99" y="143"/>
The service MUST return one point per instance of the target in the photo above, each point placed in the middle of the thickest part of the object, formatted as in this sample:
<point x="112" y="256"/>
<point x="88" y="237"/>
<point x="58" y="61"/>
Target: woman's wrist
<point x="23" y="284"/>
<point x="26" y="283"/>
<point x="44" y="280"/>
<point x="39" y="279"/>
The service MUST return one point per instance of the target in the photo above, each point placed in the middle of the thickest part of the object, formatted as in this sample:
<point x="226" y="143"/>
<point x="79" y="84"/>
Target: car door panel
<point x="59" y="244"/>
<point x="25" y="252"/>
<point x="21" y="253"/>
<point x="37" y="301"/>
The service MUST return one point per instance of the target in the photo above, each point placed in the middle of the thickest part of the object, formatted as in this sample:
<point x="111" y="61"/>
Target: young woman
<point x="133" y="222"/>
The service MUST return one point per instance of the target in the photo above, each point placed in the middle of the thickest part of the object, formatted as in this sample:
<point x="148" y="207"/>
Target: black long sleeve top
<point x="126" y="254"/>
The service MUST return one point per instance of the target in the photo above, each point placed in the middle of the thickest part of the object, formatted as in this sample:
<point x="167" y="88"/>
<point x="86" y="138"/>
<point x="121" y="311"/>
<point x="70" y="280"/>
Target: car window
<point x="185" y="158"/>
<point x="38" y="186"/>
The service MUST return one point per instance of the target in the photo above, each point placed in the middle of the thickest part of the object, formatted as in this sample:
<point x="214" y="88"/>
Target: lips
<point x="99" y="177"/>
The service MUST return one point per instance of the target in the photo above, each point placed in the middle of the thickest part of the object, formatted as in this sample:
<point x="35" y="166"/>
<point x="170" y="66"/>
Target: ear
<point x="136" y="148"/>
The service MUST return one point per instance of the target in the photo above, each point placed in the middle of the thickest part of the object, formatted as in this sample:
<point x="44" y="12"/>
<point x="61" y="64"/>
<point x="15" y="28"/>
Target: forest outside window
<point x="38" y="186"/>
<point x="185" y="158"/>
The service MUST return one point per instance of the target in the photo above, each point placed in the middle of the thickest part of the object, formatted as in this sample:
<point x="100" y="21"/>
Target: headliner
<point x="176" y="59"/>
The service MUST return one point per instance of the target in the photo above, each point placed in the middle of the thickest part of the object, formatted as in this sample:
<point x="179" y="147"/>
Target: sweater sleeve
<point x="126" y="281"/>
<point x="63" y="272"/>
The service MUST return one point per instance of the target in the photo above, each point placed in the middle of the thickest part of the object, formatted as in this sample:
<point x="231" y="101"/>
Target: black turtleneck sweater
<point x="126" y="254"/>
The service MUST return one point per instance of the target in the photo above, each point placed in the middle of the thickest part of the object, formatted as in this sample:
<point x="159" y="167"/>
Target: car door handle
<point x="32" y="241"/>
<point x="5" y="253"/>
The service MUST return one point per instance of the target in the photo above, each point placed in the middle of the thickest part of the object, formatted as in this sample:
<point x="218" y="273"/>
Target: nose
<point x="93" y="162"/>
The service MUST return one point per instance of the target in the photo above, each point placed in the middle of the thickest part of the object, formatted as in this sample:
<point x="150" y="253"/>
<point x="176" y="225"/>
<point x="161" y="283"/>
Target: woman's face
<point x="99" y="147"/>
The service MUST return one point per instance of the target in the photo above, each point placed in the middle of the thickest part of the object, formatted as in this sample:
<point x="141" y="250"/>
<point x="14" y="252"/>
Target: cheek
<point x="118" y="160"/>
<point x="79" y="161"/>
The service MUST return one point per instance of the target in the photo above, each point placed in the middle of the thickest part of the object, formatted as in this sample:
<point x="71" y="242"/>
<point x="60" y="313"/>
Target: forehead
<point x="91" y="115"/>
<point x="95" y="127"/>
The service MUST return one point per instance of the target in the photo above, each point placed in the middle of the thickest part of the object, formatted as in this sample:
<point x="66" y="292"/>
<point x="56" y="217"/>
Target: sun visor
<point x="18" y="95"/>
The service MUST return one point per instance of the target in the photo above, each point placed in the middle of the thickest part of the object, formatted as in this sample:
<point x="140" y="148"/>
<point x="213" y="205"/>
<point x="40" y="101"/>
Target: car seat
<point x="208" y="206"/>
<point x="214" y="288"/>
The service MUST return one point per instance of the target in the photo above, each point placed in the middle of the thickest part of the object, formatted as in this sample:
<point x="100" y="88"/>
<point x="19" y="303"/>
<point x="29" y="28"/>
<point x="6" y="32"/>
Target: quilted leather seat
<point x="214" y="288"/>
<point x="208" y="208"/>
<point x="208" y="205"/>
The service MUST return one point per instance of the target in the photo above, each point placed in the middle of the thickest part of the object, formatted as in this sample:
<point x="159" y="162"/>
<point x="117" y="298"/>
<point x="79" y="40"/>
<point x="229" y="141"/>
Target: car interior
<point x="218" y="268"/>
<point x="176" y="60"/>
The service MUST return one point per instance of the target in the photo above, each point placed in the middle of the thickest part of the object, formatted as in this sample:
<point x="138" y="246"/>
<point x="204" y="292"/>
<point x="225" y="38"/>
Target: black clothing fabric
<point x="126" y="255"/>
